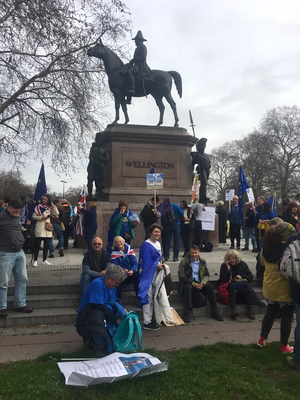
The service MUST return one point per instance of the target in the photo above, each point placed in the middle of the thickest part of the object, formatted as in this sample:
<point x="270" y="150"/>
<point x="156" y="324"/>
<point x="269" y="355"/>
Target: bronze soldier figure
<point x="138" y="65"/>
<point x="99" y="156"/>
<point x="203" y="168"/>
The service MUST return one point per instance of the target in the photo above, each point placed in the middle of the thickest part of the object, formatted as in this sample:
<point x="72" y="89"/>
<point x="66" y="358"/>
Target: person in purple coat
<point x="89" y="222"/>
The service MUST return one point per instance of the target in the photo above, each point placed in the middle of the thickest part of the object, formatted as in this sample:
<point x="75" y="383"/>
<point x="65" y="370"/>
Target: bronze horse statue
<point x="158" y="87"/>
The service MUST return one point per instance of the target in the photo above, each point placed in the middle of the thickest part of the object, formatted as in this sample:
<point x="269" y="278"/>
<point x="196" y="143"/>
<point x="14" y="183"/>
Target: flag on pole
<point x="41" y="187"/>
<point x="164" y="207"/>
<point x="272" y="201"/>
<point x="79" y="226"/>
<point x="243" y="186"/>
<point x="40" y="190"/>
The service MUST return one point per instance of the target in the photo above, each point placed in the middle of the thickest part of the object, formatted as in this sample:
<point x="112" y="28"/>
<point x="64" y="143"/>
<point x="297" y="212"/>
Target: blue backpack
<point x="126" y="333"/>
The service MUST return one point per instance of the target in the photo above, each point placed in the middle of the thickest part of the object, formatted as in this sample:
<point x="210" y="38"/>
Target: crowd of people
<point x="106" y="271"/>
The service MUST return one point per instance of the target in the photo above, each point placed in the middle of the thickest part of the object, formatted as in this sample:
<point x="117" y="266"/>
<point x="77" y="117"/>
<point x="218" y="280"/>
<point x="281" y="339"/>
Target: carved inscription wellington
<point x="148" y="164"/>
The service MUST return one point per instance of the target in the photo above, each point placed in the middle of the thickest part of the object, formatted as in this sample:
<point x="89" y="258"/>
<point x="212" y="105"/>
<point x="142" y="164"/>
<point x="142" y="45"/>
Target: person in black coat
<point x="222" y="212"/>
<point x="237" y="273"/>
<point x="94" y="264"/>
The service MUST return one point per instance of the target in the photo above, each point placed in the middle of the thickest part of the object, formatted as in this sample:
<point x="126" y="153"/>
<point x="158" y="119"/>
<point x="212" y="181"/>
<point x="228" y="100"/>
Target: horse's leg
<point x="117" y="107"/>
<point x="124" y="108"/>
<point x="172" y="103"/>
<point x="160" y="105"/>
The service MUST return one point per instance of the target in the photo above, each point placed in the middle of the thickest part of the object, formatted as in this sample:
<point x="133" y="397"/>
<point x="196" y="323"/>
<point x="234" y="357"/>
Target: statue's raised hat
<point x="139" y="36"/>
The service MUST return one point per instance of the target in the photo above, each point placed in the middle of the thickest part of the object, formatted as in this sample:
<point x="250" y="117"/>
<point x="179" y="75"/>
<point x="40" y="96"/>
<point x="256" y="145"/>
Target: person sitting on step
<point x="236" y="276"/>
<point x="124" y="256"/>
<point x="193" y="284"/>
<point x="94" y="264"/>
<point x="100" y="313"/>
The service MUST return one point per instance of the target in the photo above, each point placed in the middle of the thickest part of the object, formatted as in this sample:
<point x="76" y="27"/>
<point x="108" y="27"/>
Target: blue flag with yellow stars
<point x="40" y="190"/>
<point x="243" y="186"/>
<point x="164" y="207"/>
<point x="149" y="257"/>
<point x="272" y="201"/>
<point x="41" y="187"/>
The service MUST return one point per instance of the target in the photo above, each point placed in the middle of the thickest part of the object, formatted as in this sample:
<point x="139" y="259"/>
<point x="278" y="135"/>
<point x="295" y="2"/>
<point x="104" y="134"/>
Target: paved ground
<point x="28" y="343"/>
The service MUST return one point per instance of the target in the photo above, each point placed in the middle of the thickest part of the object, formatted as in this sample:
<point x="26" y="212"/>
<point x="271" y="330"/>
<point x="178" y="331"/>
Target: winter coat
<point x="241" y="269"/>
<point x="40" y="230"/>
<point x="275" y="287"/>
<point x="185" y="272"/>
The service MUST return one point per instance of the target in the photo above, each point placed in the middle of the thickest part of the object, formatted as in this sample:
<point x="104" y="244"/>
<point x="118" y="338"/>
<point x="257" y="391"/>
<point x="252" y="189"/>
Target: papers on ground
<point x="109" y="369"/>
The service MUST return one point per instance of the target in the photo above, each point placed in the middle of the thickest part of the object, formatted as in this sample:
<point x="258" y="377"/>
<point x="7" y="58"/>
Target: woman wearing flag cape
<point x="120" y="225"/>
<point x="152" y="292"/>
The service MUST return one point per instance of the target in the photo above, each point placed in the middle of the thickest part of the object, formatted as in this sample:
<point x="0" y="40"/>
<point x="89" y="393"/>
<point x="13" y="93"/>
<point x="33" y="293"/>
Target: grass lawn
<point x="221" y="371"/>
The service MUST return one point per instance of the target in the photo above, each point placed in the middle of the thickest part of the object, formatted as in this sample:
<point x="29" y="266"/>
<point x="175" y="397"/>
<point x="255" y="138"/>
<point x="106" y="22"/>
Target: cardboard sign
<point x="250" y="195"/>
<point x="208" y="219"/>
<point x="155" y="181"/>
<point x="229" y="194"/>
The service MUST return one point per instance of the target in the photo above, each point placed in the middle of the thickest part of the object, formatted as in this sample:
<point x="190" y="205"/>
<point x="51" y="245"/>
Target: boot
<point x="61" y="252"/>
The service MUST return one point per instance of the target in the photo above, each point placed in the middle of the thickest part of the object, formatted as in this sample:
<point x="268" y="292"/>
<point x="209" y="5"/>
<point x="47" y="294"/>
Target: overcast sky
<point x="237" y="59"/>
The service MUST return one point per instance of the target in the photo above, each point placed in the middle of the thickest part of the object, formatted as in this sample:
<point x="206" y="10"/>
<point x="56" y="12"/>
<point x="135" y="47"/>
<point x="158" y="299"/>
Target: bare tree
<point x="224" y="170"/>
<point x="270" y="157"/>
<point x="13" y="185"/>
<point x="52" y="96"/>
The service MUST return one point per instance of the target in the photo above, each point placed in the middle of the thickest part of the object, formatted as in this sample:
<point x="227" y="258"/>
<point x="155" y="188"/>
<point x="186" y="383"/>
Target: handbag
<point x="62" y="226"/>
<point x="223" y="293"/>
<point x="49" y="226"/>
<point x="127" y="236"/>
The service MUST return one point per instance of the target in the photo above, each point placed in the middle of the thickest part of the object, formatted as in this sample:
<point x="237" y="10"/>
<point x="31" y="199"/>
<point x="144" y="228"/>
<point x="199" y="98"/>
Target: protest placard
<point x="208" y="219"/>
<point x="250" y="194"/>
<point x="229" y="194"/>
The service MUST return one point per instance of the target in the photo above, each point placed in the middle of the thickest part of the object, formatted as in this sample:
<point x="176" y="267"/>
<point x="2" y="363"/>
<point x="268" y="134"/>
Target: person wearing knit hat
<point x="275" y="288"/>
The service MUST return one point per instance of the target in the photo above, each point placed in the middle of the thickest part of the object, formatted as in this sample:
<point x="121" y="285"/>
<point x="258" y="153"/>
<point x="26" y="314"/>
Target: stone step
<point x="49" y="316"/>
<point x="73" y="286"/>
<point x="67" y="315"/>
<point x="61" y="300"/>
<point x="48" y="301"/>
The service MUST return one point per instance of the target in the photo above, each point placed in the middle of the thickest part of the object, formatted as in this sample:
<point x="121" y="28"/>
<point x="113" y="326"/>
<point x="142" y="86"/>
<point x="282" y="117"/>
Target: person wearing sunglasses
<point x="94" y="263"/>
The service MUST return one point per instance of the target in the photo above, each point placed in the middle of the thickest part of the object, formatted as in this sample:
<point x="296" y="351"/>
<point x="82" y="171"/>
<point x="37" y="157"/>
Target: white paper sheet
<point x="111" y="368"/>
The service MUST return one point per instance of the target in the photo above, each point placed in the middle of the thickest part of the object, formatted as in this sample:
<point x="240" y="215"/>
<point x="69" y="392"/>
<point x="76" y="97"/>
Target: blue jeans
<point x="60" y="236"/>
<point x="169" y="230"/>
<point x="89" y="234"/>
<point x="13" y="263"/>
<point x="249" y="232"/>
<point x="297" y="335"/>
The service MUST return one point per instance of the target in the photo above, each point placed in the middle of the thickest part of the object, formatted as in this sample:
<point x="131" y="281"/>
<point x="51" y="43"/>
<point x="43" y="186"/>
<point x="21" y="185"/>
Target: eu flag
<point x="243" y="186"/>
<point x="272" y="201"/>
<point x="164" y="207"/>
<point x="41" y="187"/>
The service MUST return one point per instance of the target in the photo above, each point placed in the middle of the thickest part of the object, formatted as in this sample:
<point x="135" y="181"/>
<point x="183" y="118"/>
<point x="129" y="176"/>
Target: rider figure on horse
<point x="138" y="66"/>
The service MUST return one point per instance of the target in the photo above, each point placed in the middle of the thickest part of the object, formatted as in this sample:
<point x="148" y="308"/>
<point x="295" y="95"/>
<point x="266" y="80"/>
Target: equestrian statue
<point x="136" y="79"/>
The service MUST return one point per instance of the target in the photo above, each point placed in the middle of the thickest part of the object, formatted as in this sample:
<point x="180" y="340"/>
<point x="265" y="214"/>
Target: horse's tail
<point x="178" y="81"/>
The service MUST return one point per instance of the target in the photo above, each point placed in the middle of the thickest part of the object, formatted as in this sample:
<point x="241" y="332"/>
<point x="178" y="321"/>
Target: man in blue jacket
<point x="236" y="223"/>
<point x="169" y="229"/>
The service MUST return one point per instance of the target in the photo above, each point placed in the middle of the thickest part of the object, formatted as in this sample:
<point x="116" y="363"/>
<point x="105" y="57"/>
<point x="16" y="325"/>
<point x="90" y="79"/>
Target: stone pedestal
<point x="134" y="149"/>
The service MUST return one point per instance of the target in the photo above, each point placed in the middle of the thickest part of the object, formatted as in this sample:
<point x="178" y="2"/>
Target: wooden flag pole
<point x="229" y="206"/>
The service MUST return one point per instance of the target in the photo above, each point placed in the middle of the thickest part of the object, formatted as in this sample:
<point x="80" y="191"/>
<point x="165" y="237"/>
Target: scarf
<point x="41" y="208"/>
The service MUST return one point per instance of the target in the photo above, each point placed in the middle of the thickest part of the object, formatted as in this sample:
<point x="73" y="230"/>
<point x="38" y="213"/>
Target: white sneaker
<point x="34" y="264"/>
<point x="46" y="262"/>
